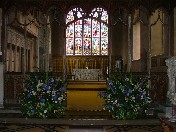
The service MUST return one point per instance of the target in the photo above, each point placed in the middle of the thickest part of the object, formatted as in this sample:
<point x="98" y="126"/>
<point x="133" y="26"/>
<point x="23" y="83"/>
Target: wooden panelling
<point x="81" y="62"/>
<point x="58" y="64"/>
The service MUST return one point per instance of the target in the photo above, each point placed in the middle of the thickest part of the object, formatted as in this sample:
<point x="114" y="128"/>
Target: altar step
<point x="84" y="95"/>
<point x="165" y="110"/>
<point x="80" y="85"/>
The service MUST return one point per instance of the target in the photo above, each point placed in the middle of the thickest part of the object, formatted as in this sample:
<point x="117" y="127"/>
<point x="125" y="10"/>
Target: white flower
<point x="133" y="97"/>
<point x="39" y="84"/>
<point x="34" y="93"/>
<point x="172" y="94"/>
<point x="48" y="91"/>
<point x="45" y="111"/>
<point x="60" y="98"/>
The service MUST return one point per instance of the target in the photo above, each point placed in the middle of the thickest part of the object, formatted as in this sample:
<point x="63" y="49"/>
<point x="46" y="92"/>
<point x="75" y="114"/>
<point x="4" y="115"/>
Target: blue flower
<point x="42" y="100"/>
<point x="129" y="91"/>
<point x="29" y="95"/>
<point x="113" y="89"/>
<point x="49" y="81"/>
<point x="54" y="97"/>
<point x="110" y="106"/>
<point x="46" y="87"/>
<point x="32" y="111"/>
<point x="102" y="94"/>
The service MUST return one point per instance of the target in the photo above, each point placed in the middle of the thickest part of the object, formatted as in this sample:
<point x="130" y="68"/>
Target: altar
<point x="87" y="74"/>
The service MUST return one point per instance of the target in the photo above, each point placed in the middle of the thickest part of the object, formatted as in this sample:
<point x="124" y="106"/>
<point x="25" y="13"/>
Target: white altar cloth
<point x="87" y="74"/>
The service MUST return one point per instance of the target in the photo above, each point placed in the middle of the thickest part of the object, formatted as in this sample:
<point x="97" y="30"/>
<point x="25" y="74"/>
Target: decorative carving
<point x="17" y="40"/>
<point x="13" y="37"/>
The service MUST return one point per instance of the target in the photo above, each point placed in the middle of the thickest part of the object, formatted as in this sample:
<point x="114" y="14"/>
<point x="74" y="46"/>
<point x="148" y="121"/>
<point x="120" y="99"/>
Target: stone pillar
<point x="171" y="93"/>
<point x="1" y="66"/>
<point x="58" y="36"/>
<point x="1" y="85"/>
<point x="171" y="72"/>
<point x="129" y="42"/>
<point x="37" y="53"/>
<point x="174" y="31"/>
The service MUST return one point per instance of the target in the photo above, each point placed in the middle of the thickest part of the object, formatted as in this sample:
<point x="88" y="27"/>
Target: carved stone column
<point x="58" y="40"/>
<point x="171" y="71"/>
<point x="1" y="66"/>
<point x="58" y="36"/>
<point x="129" y="42"/>
<point x="1" y="85"/>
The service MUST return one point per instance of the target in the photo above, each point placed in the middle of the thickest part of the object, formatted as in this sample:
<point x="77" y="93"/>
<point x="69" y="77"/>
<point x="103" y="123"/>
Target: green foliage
<point x="127" y="97"/>
<point x="43" y="96"/>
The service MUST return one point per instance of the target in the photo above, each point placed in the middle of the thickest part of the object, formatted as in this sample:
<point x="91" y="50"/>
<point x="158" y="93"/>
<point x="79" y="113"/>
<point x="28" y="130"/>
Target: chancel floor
<point x="76" y="121"/>
<point x="45" y="128"/>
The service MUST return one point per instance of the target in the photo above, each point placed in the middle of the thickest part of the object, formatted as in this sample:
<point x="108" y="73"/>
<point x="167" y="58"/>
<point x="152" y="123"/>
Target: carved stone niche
<point x="171" y="72"/>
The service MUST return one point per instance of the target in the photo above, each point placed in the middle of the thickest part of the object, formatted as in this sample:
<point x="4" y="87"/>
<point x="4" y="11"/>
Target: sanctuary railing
<point x="14" y="82"/>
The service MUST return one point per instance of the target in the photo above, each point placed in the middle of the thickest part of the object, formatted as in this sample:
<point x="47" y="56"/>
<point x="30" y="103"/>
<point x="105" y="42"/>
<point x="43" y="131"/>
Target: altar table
<point x="87" y="74"/>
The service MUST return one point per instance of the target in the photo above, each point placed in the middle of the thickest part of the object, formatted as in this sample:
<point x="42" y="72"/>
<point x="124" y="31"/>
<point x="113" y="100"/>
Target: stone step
<point x="13" y="111"/>
<point x="166" y="111"/>
<point x="164" y="115"/>
<point x="165" y="108"/>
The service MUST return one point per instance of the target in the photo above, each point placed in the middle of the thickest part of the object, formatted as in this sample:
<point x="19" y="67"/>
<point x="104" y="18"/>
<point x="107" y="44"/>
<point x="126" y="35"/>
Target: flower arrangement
<point x="127" y="96"/>
<point x="43" y="96"/>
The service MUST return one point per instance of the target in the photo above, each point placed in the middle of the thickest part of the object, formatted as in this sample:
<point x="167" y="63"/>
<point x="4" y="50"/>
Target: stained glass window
<point x="87" y="34"/>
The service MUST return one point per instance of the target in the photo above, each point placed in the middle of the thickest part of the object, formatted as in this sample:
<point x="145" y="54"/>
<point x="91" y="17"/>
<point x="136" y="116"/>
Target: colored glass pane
<point x="104" y="30"/>
<point x="69" y="46"/>
<point x="70" y="31"/>
<point x="78" y="28"/>
<point x="78" y="46"/>
<point x="70" y="17"/>
<point x="96" y="46"/>
<point x="104" y="46"/>
<point x="74" y="14"/>
<point x="87" y="28"/>
<point x="95" y="28"/>
<point x="87" y="46"/>
<point x="104" y="16"/>
<point x="95" y="14"/>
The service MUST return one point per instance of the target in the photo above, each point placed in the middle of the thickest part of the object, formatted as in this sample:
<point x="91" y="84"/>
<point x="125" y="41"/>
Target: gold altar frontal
<point x="84" y="95"/>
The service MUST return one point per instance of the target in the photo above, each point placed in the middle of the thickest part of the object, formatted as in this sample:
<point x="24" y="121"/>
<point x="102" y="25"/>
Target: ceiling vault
<point x="88" y="5"/>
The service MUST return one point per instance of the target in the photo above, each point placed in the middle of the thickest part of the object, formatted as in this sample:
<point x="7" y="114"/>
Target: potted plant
<point x="127" y="97"/>
<point x="43" y="96"/>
